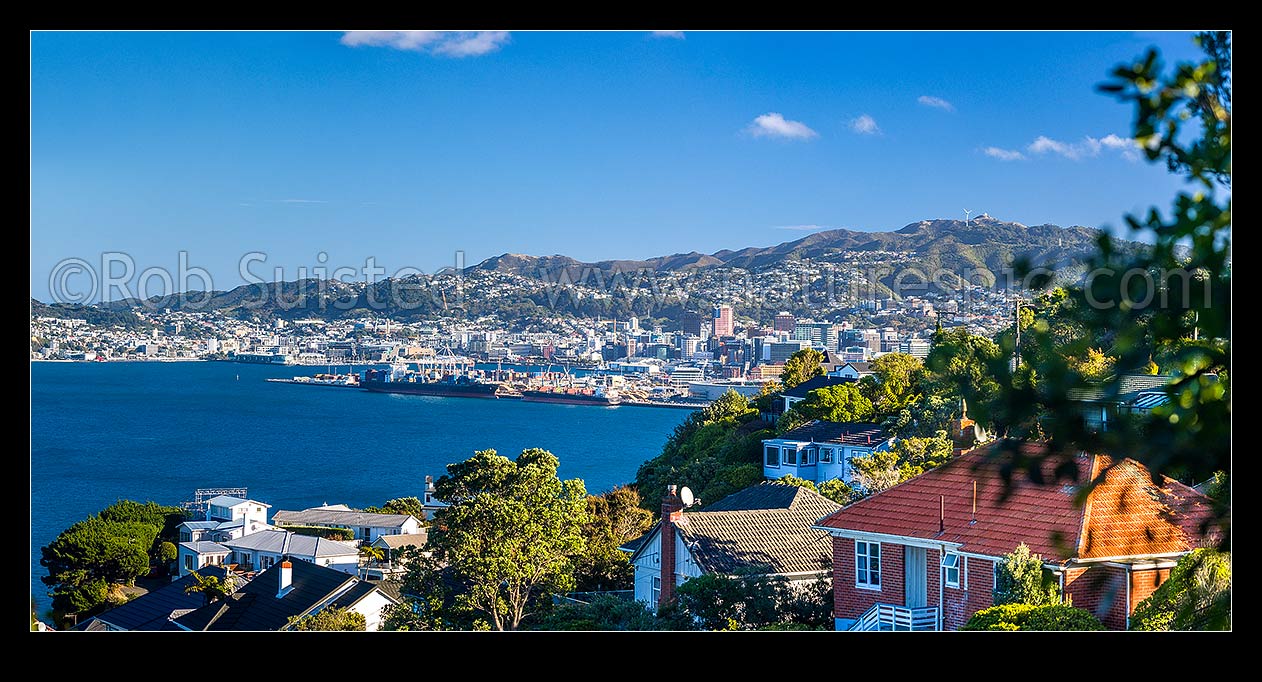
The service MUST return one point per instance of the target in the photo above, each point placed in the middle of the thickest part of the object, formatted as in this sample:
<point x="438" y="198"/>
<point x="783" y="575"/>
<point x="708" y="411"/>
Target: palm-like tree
<point x="211" y="587"/>
<point x="372" y="554"/>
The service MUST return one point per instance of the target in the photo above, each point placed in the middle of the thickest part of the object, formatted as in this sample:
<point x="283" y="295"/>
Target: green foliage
<point x="401" y="505"/>
<point x="767" y="396"/>
<point x="1022" y="580"/>
<point x="1058" y="617"/>
<point x="372" y="554"/>
<point x="838" y="491"/>
<point x="322" y="532"/>
<point x="86" y="557"/>
<point x="840" y="403"/>
<point x="603" y="613"/>
<point x="878" y="471"/>
<point x="330" y="619"/>
<point x="962" y="365"/>
<point x="923" y="454"/>
<point x="721" y="602"/>
<point x="212" y="587"/>
<point x="508" y="540"/>
<point x="715" y="452"/>
<point x="894" y="383"/>
<point x="1196" y="596"/>
<point x="167" y="552"/>
<point x="802" y="366"/>
<point x="614" y="519"/>
<point x="1167" y="302"/>
<point x="1094" y="365"/>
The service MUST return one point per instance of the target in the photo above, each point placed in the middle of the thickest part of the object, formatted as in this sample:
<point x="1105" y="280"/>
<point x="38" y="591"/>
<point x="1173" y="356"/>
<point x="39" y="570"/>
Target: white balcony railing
<point x="890" y="617"/>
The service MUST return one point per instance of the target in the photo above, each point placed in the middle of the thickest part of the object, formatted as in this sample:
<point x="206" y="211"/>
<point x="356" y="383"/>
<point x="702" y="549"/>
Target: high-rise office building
<point x="723" y="323"/>
<point x="784" y="322"/>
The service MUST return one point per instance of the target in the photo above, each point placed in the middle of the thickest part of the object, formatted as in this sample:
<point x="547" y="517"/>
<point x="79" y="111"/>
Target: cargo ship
<point x="598" y="396"/>
<point x="398" y="379"/>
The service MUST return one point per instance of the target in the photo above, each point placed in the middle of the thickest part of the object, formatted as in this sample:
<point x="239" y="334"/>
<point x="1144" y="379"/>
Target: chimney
<point x="286" y="578"/>
<point x="672" y="511"/>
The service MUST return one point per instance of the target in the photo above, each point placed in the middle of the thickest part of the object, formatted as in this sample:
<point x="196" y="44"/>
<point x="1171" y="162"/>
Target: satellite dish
<point x="686" y="495"/>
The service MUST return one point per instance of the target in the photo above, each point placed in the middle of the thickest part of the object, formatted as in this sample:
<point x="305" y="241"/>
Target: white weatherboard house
<point x="820" y="451"/>
<point x="365" y="525"/>
<point x="763" y="529"/>
<point x="259" y="551"/>
<point x="227" y="518"/>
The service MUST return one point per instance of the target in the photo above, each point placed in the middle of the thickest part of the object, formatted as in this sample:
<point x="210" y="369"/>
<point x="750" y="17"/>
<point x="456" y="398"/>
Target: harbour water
<point x="156" y="431"/>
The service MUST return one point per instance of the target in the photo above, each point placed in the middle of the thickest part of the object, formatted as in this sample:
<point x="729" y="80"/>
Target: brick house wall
<point x="975" y="593"/>
<point x="1101" y="590"/>
<point x="1144" y="583"/>
<point x="850" y="602"/>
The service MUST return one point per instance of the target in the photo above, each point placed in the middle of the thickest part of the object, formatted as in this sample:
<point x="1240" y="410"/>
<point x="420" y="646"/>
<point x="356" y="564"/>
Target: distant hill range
<point x="952" y="244"/>
<point x="929" y="245"/>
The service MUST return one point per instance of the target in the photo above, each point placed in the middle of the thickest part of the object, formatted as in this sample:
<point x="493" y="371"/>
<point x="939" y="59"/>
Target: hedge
<point x="322" y="532"/>
<point x="1027" y="617"/>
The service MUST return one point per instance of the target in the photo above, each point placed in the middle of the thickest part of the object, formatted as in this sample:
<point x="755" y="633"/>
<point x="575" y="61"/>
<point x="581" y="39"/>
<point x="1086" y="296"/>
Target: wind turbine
<point x="966" y="212"/>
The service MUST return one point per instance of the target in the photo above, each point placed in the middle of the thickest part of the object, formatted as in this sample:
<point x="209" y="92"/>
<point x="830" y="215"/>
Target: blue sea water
<point x="156" y="431"/>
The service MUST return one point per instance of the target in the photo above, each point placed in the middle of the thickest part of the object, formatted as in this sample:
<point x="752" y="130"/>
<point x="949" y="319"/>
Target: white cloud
<point x="1003" y="154"/>
<point x="774" y="125"/>
<point x="1042" y="144"/>
<point x="1129" y="148"/>
<point x="803" y="228"/>
<point x="936" y="102"/>
<point x="865" y="125"/>
<point x="446" y="43"/>
<point x="677" y="35"/>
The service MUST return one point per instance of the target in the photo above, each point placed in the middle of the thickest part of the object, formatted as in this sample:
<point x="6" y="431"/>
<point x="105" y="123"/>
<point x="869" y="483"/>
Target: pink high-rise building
<point x="723" y="321"/>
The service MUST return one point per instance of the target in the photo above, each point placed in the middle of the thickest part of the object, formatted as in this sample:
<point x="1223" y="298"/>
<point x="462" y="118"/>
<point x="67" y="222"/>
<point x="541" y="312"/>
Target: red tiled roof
<point x="1125" y="515"/>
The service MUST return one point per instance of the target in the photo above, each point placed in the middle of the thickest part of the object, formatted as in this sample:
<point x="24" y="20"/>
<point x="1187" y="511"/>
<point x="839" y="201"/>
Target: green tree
<point x="923" y="454"/>
<point x="963" y="365"/>
<point x="332" y="618"/>
<point x="1047" y="617"/>
<point x="802" y="366"/>
<point x="838" y="491"/>
<point x="1094" y="365"/>
<point x="878" y="471"/>
<point x="401" y="505"/>
<point x="715" y="452"/>
<point x="767" y="396"/>
<point x="88" y="556"/>
<point x="1196" y="596"/>
<point x="748" y="602"/>
<point x="894" y="382"/>
<point x="371" y="554"/>
<point x="602" y="613"/>
<point x="211" y="587"/>
<point x="1167" y="301"/>
<point x="839" y="403"/>
<point x="1020" y="579"/>
<point x="614" y="519"/>
<point x="510" y="534"/>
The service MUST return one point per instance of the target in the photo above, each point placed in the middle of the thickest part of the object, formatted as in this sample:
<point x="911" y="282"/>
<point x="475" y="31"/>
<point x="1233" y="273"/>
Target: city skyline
<point x="409" y="147"/>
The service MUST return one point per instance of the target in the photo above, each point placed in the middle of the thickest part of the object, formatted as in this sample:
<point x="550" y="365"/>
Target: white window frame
<point x="190" y="563"/>
<point x="810" y="456"/>
<point x="767" y="451"/>
<point x="784" y="452"/>
<point x="655" y="589"/>
<point x="946" y="569"/>
<point x="863" y="577"/>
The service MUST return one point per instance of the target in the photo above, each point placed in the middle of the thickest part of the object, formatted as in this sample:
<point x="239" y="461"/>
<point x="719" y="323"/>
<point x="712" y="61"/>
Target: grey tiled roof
<point x="1128" y="386"/>
<point x="340" y="517"/>
<point x="299" y="545"/>
<point x="847" y="433"/>
<point x="762" y="529"/>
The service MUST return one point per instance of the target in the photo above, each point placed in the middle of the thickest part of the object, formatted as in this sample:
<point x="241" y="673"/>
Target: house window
<point x="826" y="455"/>
<point x="951" y="569"/>
<point x="808" y="457"/>
<point x="189" y="562"/>
<point x="790" y="457"/>
<point x="186" y="536"/>
<point x="656" y="591"/>
<point x="867" y="564"/>
<point x="773" y="456"/>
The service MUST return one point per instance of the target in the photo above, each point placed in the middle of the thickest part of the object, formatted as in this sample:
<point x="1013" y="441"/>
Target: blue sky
<point x="410" y="147"/>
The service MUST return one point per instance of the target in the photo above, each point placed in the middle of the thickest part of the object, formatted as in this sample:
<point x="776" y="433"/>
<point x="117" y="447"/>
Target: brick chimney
<point x="672" y="511"/>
